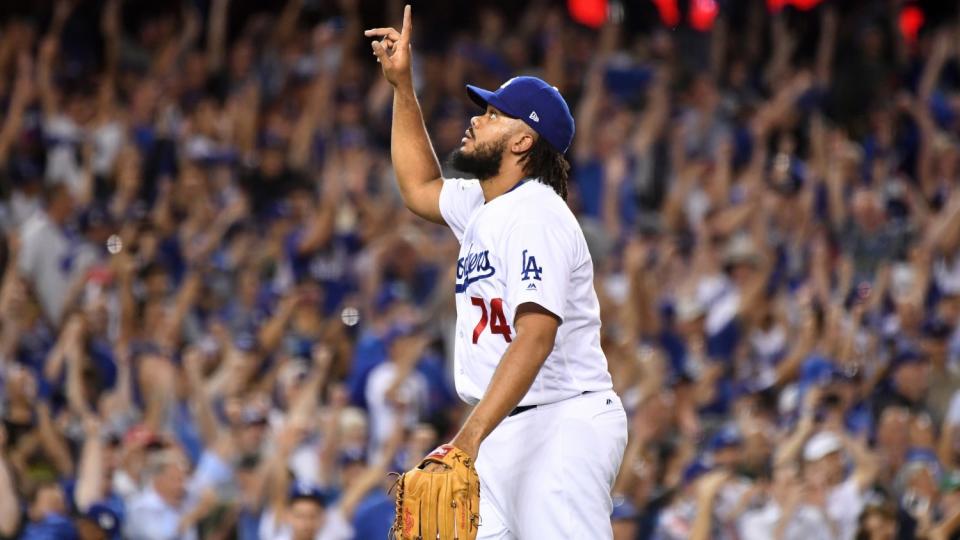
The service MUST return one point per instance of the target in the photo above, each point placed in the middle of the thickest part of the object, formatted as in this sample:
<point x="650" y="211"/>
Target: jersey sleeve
<point x="538" y="262"/>
<point x="458" y="200"/>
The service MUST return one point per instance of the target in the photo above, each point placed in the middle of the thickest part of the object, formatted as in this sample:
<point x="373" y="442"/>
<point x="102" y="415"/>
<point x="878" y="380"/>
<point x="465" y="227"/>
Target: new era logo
<point x="534" y="117"/>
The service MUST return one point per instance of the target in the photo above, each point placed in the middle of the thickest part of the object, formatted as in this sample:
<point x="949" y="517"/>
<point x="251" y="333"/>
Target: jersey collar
<point x="518" y="184"/>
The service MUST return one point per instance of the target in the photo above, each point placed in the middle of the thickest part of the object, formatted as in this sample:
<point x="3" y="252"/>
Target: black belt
<point x="525" y="408"/>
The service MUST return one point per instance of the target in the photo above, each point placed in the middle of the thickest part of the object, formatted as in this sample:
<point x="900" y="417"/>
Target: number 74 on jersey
<point x="495" y="317"/>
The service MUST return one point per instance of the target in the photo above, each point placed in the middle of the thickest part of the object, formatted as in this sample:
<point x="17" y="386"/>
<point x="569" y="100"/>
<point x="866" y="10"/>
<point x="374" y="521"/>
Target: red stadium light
<point x="669" y="11"/>
<point x="702" y="14"/>
<point x="806" y="5"/>
<point x="801" y="5"/>
<point x="592" y="13"/>
<point x="910" y="21"/>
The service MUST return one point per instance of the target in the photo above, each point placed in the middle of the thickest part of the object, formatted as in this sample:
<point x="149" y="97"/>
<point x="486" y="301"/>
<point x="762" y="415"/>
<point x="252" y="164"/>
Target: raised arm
<point x="836" y="181"/>
<point x="110" y="27"/>
<point x="45" y="86"/>
<point x="47" y="54"/>
<point x="826" y="45"/>
<point x="304" y="406"/>
<point x="22" y="95"/>
<point x="13" y="300"/>
<point x="9" y="505"/>
<point x="789" y="452"/>
<point x="414" y="161"/>
<point x="554" y="60"/>
<point x="864" y="464"/>
<point x="322" y="224"/>
<point x="123" y="391"/>
<point x="90" y="474"/>
<point x="75" y="356"/>
<point x="278" y="475"/>
<point x="207" y="422"/>
<point x="640" y="316"/>
<point x="57" y="358"/>
<point x="271" y="332"/>
<point x="328" y="50"/>
<point x="52" y="441"/>
<point x="217" y="34"/>
<point x="125" y="268"/>
<point x="286" y="24"/>
<point x="615" y="170"/>
<point x="330" y="428"/>
<point x="784" y="44"/>
<point x="588" y="108"/>
<point x="654" y="116"/>
<point x="934" y="65"/>
<point x="186" y="295"/>
<point x="944" y="233"/>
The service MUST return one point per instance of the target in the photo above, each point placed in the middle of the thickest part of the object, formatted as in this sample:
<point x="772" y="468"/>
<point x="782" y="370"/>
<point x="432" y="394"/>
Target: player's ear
<point x="523" y="141"/>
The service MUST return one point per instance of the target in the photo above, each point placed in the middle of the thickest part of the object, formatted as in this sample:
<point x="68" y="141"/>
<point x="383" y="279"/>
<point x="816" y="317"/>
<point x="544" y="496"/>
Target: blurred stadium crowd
<point x="218" y="321"/>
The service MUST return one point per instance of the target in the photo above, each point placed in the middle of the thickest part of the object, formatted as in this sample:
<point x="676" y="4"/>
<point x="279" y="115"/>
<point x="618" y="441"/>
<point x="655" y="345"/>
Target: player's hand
<point x="393" y="50"/>
<point x="469" y="449"/>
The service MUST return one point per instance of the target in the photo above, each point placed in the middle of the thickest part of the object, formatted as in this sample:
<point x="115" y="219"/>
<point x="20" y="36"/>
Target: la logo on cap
<point x="534" y="117"/>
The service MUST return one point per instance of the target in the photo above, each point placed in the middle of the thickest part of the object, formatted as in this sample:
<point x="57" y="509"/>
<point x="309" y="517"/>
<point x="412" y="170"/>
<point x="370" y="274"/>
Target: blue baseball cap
<point x="307" y="491"/>
<point x="535" y="102"/>
<point x="105" y="517"/>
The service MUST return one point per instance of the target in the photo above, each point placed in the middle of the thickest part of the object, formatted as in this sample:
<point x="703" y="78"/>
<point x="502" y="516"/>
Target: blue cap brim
<point x="485" y="97"/>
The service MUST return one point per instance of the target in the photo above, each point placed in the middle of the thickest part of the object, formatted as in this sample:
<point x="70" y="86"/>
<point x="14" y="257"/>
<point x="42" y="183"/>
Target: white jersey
<point x="523" y="246"/>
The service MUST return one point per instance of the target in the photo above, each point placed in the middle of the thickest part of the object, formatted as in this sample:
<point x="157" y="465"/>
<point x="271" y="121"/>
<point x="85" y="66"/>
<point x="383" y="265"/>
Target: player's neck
<point x="500" y="184"/>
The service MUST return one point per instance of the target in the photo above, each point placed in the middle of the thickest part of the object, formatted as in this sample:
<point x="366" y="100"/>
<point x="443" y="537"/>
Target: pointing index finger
<point x="407" y="27"/>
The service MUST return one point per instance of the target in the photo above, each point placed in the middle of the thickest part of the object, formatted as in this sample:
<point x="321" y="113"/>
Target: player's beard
<point x="483" y="162"/>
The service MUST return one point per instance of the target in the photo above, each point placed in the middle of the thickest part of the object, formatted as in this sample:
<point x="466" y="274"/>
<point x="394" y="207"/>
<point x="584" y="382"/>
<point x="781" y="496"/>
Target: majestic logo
<point x="534" y="117"/>
<point x="530" y="267"/>
<point x="473" y="267"/>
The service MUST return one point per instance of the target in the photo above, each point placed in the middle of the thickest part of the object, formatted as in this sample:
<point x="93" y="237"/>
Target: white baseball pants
<point x="546" y="473"/>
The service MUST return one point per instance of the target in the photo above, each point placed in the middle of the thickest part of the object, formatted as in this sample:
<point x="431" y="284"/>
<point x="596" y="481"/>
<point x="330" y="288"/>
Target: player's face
<point x="490" y="128"/>
<point x="485" y="143"/>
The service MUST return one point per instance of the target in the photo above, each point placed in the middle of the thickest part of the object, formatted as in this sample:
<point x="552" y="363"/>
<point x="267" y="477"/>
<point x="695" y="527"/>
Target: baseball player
<point x="547" y="432"/>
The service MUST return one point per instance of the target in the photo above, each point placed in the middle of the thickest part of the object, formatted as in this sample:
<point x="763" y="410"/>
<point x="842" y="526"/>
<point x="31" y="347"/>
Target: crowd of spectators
<point x="217" y="320"/>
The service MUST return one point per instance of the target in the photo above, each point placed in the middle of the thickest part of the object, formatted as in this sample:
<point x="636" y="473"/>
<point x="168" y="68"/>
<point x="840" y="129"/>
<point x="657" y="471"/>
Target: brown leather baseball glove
<point x="441" y="504"/>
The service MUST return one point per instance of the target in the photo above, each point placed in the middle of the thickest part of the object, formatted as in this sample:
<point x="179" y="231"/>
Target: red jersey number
<point x="497" y="320"/>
